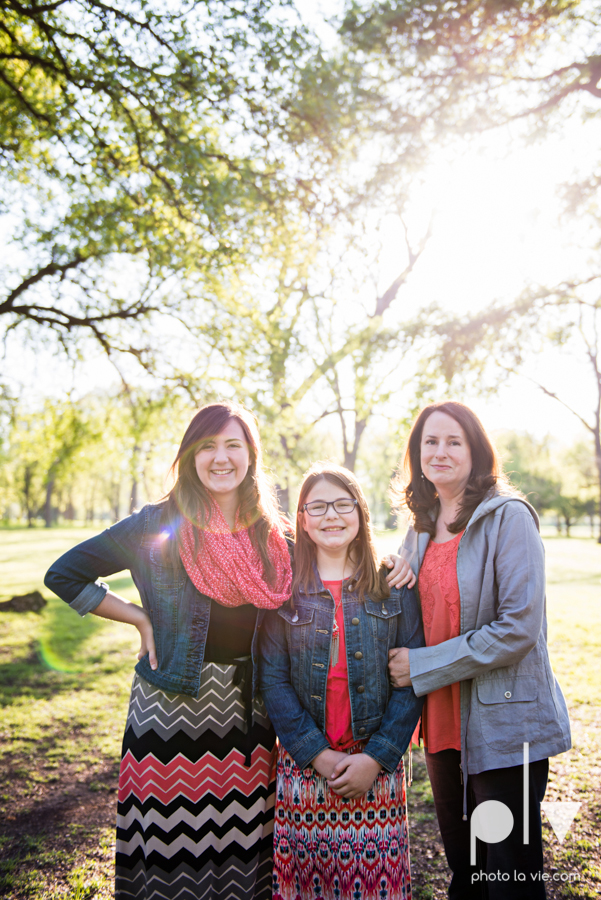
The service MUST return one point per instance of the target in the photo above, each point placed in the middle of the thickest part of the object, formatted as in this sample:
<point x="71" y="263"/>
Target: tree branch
<point x="51" y="269"/>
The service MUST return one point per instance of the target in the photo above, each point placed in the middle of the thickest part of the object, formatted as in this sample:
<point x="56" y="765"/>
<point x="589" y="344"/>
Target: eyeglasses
<point x="343" y="506"/>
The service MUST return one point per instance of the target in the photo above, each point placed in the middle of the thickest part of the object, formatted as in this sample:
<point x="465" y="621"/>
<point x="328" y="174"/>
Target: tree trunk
<point x="283" y="492"/>
<point x="48" y="502"/>
<point x="558" y="524"/>
<point x="133" y="504"/>
<point x="598" y="461"/>
<point x="27" y="495"/>
<point x="350" y="455"/>
<point x="115" y="504"/>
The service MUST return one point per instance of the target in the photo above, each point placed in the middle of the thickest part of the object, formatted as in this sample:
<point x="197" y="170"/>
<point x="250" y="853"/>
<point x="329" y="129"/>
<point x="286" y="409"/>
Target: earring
<point x="423" y="476"/>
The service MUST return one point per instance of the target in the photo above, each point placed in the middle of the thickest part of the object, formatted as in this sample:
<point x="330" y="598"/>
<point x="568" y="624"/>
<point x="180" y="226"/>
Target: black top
<point x="231" y="630"/>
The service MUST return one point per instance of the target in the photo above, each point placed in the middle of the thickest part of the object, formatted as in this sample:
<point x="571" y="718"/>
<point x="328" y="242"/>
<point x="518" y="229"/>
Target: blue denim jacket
<point x="293" y="669"/>
<point x="178" y="611"/>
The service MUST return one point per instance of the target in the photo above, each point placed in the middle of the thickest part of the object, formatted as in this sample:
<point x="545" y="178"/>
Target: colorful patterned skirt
<point x="192" y="820"/>
<point x="331" y="849"/>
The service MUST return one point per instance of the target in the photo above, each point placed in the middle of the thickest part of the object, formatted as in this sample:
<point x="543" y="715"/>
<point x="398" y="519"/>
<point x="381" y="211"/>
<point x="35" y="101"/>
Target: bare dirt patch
<point x="57" y="834"/>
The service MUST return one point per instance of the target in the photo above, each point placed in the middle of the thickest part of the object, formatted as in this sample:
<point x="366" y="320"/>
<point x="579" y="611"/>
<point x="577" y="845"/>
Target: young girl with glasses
<point x="340" y="820"/>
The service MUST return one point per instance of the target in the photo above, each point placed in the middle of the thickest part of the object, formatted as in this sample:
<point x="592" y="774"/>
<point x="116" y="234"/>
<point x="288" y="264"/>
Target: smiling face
<point x="331" y="531"/>
<point x="446" y="457"/>
<point x="222" y="461"/>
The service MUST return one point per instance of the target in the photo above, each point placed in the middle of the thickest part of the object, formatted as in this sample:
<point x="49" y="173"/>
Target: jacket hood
<point x="497" y="498"/>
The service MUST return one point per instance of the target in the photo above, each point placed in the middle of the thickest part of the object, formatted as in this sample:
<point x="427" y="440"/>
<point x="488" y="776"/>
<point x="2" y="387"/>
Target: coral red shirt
<point x="339" y="722"/>
<point x="441" y="611"/>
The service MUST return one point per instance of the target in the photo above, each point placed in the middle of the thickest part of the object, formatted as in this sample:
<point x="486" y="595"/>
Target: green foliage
<point x="562" y="482"/>
<point x="144" y="140"/>
<point x="475" y="64"/>
<point x="97" y="457"/>
<point x="528" y="462"/>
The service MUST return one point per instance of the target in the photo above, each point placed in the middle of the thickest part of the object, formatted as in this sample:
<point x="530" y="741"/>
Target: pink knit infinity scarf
<point x="228" y="567"/>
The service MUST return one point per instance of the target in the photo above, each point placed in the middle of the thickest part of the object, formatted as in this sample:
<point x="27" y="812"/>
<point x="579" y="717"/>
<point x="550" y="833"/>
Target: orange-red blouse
<point x="339" y="722"/>
<point x="440" y="601"/>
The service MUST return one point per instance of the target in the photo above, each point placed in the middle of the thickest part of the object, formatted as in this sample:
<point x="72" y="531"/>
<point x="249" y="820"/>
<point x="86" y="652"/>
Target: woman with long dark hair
<point x="195" y="813"/>
<point x="494" y="712"/>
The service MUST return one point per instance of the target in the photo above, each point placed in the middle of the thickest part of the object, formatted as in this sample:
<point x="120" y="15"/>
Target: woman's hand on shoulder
<point x="401" y="572"/>
<point x="354" y="775"/>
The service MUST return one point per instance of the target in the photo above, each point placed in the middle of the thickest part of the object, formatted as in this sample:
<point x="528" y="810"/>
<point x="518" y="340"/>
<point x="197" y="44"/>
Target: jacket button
<point x="358" y="655"/>
<point x="508" y="694"/>
<point x="362" y="731"/>
<point x="361" y="689"/>
<point x="354" y="621"/>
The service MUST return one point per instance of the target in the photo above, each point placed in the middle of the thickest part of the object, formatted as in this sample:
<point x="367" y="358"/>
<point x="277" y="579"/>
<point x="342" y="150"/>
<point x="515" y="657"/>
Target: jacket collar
<point x="318" y="585"/>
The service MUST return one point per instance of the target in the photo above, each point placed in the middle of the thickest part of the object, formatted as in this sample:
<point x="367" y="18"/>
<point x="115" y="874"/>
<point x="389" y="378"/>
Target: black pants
<point x="503" y="870"/>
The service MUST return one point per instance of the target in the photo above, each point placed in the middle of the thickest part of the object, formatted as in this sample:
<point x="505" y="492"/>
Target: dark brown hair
<point x="368" y="578"/>
<point x="414" y="491"/>
<point x="189" y="499"/>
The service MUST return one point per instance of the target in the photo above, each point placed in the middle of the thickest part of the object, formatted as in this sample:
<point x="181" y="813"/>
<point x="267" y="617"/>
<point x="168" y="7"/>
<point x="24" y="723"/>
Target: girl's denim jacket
<point x="294" y="660"/>
<point x="178" y="611"/>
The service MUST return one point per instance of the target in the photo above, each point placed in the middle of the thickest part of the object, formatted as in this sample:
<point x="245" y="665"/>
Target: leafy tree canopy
<point x="143" y="131"/>
<point x="476" y="64"/>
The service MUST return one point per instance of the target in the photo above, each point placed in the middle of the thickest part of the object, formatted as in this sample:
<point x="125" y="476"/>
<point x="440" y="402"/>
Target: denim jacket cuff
<point x="91" y="597"/>
<point x="305" y="752"/>
<point x="384" y="753"/>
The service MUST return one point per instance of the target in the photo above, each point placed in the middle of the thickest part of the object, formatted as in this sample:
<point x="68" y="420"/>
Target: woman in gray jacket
<point x="494" y="711"/>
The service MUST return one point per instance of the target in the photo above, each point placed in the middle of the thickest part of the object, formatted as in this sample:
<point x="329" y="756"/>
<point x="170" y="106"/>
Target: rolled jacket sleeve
<point x="75" y="576"/>
<point x="91" y="597"/>
<point x="519" y="574"/>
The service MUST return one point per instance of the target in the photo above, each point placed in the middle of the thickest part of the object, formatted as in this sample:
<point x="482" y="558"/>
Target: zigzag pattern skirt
<point x="327" y="848"/>
<point x="192" y="821"/>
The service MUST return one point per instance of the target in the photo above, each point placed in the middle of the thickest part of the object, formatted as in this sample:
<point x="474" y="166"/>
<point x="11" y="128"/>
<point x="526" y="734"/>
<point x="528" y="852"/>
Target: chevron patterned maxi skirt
<point x="192" y="821"/>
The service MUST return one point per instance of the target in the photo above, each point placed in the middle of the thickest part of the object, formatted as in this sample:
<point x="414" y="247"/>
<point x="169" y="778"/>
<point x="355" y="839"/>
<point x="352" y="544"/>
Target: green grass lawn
<point x="64" y="684"/>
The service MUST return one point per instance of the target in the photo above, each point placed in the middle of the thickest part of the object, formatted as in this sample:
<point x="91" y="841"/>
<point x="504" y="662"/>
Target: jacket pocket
<point x="382" y="617"/>
<point x="302" y="615"/>
<point x="509" y="713"/>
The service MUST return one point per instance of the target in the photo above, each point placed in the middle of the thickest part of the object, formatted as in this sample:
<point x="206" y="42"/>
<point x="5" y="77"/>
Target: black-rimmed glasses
<point x="343" y="506"/>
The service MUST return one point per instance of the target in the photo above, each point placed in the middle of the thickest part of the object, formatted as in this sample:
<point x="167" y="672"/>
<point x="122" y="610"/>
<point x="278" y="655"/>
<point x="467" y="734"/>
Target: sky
<point x="498" y="227"/>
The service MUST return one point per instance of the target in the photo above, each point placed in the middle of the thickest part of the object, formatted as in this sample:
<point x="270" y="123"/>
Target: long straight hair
<point x="189" y="499"/>
<point x="413" y="490"/>
<point x="368" y="578"/>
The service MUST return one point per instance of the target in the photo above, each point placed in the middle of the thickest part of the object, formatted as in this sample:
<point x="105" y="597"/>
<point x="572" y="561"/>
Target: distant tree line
<point x="558" y="482"/>
<point x="98" y="458"/>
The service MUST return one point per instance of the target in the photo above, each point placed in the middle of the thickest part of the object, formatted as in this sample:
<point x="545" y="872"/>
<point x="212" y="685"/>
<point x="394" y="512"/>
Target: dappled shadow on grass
<point x="57" y="833"/>
<point x="429" y="872"/>
<point x="58" y="651"/>
<point x="32" y="676"/>
<point x="63" y="635"/>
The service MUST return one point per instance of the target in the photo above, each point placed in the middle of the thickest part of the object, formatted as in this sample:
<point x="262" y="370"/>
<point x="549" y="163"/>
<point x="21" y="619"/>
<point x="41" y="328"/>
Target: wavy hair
<point x="414" y="491"/>
<point x="368" y="578"/>
<point x="189" y="499"/>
